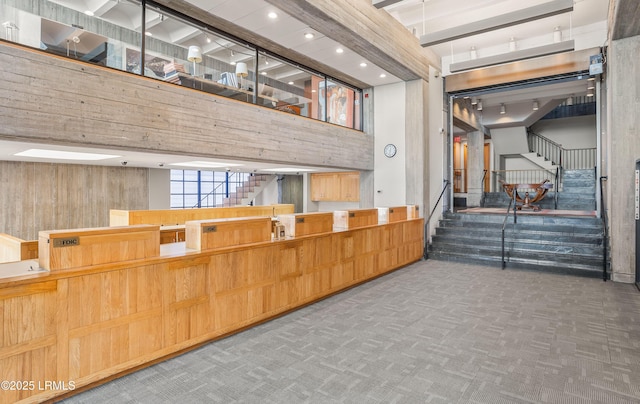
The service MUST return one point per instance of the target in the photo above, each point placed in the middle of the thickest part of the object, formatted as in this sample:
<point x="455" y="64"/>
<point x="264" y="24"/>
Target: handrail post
<point x="515" y="217"/>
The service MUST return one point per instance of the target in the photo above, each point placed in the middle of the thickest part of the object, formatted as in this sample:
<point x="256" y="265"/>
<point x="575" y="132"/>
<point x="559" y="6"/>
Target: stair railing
<point x="425" y="253"/>
<point x="605" y="232"/>
<point x="512" y="201"/>
<point x="484" y="194"/>
<point x="546" y="148"/>
<point x="224" y="191"/>
<point x="557" y="187"/>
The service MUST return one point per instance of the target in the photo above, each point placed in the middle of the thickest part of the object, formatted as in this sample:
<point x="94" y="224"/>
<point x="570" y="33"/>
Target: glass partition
<point x="179" y="52"/>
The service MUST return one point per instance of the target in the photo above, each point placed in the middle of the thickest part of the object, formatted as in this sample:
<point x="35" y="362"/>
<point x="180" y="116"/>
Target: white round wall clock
<point x="390" y="150"/>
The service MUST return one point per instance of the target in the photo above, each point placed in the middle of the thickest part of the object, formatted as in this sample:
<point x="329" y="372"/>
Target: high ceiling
<point x="586" y="25"/>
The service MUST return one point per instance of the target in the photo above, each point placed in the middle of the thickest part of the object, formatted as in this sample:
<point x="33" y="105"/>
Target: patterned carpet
<point x="433" y="332"/>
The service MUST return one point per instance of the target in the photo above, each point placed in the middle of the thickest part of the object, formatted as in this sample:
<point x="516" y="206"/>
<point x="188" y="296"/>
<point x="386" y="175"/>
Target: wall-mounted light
<point x="503" y="109"/>
<point x="474" y="101"/>
<point x="473" y="53"/>
<point x="512" y="44"/>
<point x="479" y="105"/>
<point x="535" y="105"/>
<point x="590" y="92"/>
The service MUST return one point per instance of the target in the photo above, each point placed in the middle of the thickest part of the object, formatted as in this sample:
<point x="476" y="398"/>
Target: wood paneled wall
<point x="85" y="105"/>
<point x="88" y="324"/>
<point x="37" y="196"/>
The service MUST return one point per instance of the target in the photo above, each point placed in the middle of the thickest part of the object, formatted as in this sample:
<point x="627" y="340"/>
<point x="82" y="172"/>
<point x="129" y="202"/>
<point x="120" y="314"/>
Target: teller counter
<point x="86" y="323"/>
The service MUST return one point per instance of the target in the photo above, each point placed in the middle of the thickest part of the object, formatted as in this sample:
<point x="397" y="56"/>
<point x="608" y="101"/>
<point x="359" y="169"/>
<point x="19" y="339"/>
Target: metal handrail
<point x="425" y="253"/>
<point x="605" y="233"/>
<point x="557" y="186"/>
<point x="226" y="184"/>
<point x="504" y="222"/>
<point x="484" y="175"/>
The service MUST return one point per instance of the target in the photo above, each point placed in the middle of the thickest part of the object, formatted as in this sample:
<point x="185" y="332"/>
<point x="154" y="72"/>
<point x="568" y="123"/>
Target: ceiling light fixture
<point x="590" y="93"/>
<point x="535" y="105"/>
<point x="147" y="33"/>
<point x="363" y="64"/>
<point x="208" y="39"/>
<point x="339" y="50"/>
<point x="290" y="83"/>
<point x="204" y="164"/>
<point x="309" y="35"/>
<point x="503" y="109"/>
<point x="89" y="13"/>
<point x="479" y="105"/>
<point x="288" y="170"/>
<point x="63" y="155"/>
<point x="474" y="101"/>
<point x="272" y="15"/>
<point x="512" y="44"/>
<point x="382" y="75"/>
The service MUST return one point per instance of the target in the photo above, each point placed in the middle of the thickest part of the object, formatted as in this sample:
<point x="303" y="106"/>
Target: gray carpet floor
<point x="432" y="332"/>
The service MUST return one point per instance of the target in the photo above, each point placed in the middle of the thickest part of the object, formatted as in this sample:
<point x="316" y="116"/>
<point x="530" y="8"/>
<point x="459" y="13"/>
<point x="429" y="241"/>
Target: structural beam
<point x="501" y="21"/>
<point x="566" y="46"/>
<point x="384" y="3"/>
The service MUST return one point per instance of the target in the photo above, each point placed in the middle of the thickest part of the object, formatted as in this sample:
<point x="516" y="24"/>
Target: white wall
<point x="159" y="188"/>
<point x="269" y="194"/>
<point x="572" y="133"/>
<point x="389" y="127"/>
<point x="508" y="141"/>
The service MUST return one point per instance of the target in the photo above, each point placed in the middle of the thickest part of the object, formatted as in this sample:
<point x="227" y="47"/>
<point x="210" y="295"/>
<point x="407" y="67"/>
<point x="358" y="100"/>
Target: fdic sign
<point x="66" y="242"/>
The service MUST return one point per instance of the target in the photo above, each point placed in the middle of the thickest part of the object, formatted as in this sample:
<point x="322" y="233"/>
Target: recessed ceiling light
<point x="208" y="40"/>
<point x="272" y="15"/>
<point x="147" y="33"/>
<point x="89" y="13"/>
<point x="313" y="91"/>
<point x="309" y="35"/>
<point x="363" y="64"/>
<point x="382" y="75"/>
<point x="264" y="73"/>
<point x="288" y="170"/>
<point x="63" y="155"/>
<point x="339" y="50"/>
<point x="205" y="164"/>
<point x="290" y="83"/>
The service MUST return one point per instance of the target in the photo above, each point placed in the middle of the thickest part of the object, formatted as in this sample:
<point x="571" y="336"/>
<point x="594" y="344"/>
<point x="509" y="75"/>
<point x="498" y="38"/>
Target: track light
<point x="503" y="109"/>
<point x="535" y="105"/>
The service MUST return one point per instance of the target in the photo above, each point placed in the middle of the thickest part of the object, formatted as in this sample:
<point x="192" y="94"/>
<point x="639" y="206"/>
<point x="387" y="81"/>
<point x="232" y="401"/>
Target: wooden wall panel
<point x="39" y="196"/>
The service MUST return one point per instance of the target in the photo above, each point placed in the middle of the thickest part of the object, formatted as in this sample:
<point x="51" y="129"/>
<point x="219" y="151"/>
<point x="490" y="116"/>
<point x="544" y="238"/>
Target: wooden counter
<point x="14" y="249"/>
<point x="87" y="324"/>
<point x="219" y="233"/>
<point x="171" y="217"/>
<point x="352" y="219"/>
<point x="304" y="224"/>
<point x="64" y="249"/>
<point x="392" y="214"/>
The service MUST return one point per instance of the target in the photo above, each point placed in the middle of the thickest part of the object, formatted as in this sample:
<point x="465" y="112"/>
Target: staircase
<point x="578" y="193"/>
<point x="570" y="245"/>
<point x="247" y="191"/>
<point x="565" y="244"/>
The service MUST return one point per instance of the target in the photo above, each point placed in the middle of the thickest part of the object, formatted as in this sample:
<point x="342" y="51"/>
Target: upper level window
<point x="179" y="52"/>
